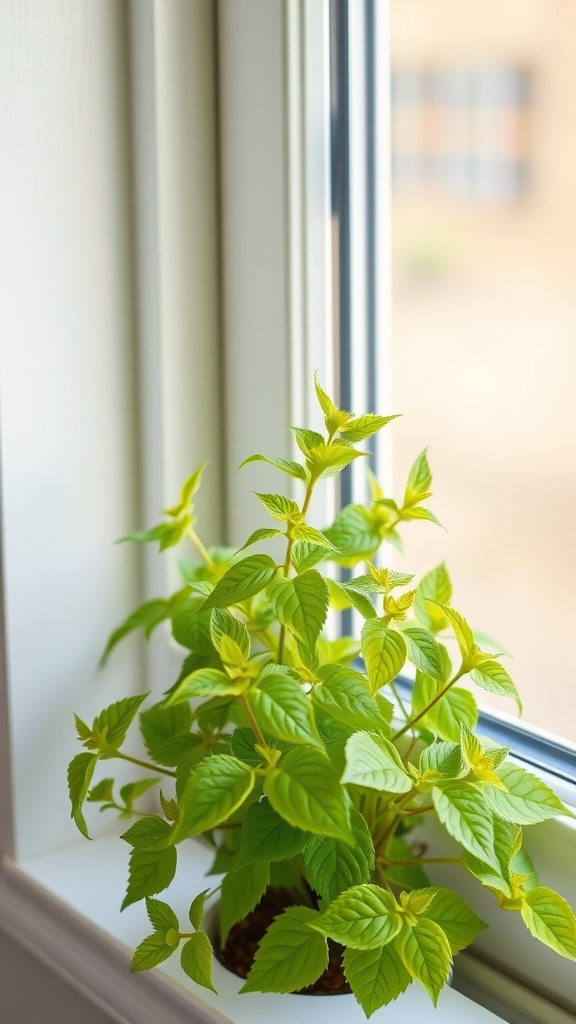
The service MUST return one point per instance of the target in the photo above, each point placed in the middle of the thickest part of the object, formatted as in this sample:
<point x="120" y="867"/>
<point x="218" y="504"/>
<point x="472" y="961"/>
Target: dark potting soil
<point x="244" y="938"/>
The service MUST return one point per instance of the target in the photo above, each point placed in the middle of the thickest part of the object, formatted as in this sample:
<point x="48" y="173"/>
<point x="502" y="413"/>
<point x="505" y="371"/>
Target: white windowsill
<point x="63" y="906"/>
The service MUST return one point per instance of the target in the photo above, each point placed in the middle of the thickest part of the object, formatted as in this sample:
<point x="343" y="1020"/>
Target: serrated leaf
<point x="205" y="682"/>
<point x="354" y="533"/>
<point x="425" y="953"/>
<point x="307" y="440"/>
<point x="148" y="833"/>
<point x="495" y="877"/>
<point x="301" y="604"/>
<point x="417" y="512"/>
<point x="265" y="836"/>
<point x="384" y="652"/>
<point x="259" y="535"/>
<point x="447" y="715"/>
<point x="279" y="507"/>
<point x="191" y="625"/>
<point x="196" y="912"/>
<point x="283" y="710"/>
<point x="528" y="801"/>
<point x="333" y="866"/>
<point x="275" y="971"/>
<point x="304" y="791"/>
<point x="419" y="480"/>
<point x="312" y="536"/>
<point x="214" y="791"/>
<point x="116" y="719"/>
<point x="161" y="916"/>
<point x="286" y="465"/>
<point x="241" y="581"/>
<point x="305" y="556"/>
<point x="434" y="589"/>
<point x="365" y="426"/>
<point x="551" y="920"/>
<point x="374" y="762"/>
<point x="343" y="595"/>
<point x="160" y="725"/>
<point x="334" y="417"/>
<point x="132" y="790"/>
<point x="146" y="617"/>
<point x="102" y="792"/>
<point x="196" y="960"/>
<point x="150" y="871"/>
<point x="455" y="916"/>
<point x="492" y="676"/>
<point x="241" y="890"/>
<point x="376" y="976"/>
<point x="462" y="809"/>
<point x="151" y="952"/>
<point x="80" y="772"/>
<point x="461" y="629"/>
<point x="444" y="758"/>
<point x="364" y="917"/>
<point x="225" y="625"/>
<point x="327" y="460"/>
<point x="423" y="651"/>
<point x="345" y="694"/>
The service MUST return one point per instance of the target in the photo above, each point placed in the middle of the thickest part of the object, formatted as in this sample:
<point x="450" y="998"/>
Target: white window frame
<point x="276" y="325"/>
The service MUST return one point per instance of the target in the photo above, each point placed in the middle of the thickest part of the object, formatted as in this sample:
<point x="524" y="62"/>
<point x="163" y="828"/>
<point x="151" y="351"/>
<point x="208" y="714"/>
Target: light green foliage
<point x="288" y="758"/>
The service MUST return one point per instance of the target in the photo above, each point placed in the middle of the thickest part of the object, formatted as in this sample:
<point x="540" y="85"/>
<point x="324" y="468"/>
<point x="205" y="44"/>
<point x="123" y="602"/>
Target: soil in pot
<point x="244" y="938"/>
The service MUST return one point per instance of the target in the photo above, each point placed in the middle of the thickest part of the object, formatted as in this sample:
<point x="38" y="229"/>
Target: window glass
<point x="484" y="319"/>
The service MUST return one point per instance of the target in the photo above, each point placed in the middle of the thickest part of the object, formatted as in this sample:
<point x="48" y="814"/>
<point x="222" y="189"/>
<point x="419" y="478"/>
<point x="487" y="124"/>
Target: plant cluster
<point x="301" y="765"/>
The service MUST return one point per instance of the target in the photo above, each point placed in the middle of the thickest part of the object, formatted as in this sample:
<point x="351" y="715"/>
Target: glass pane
<point x="484" y="335"/>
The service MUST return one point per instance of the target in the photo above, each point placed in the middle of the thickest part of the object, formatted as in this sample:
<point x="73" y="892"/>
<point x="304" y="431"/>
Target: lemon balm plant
<point x="301" y="766"/>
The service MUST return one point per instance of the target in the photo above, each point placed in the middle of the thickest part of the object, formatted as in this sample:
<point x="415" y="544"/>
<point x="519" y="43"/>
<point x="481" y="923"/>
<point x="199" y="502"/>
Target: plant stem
<point x="303" y="510"/>
<point x="256" y="728"/>
<point x="412" y="721"/>
<point x="201" y="549"/>
<point x="144" y="764"/>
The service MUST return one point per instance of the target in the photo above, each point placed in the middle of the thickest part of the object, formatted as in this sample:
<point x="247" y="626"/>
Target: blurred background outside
<point x="484" y="320"/>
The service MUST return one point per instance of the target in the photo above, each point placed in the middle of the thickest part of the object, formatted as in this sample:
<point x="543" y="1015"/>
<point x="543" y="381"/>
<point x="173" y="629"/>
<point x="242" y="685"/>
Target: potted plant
<point x="302" y="767"/>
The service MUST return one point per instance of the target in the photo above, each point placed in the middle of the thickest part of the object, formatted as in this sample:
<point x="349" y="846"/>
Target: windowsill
<point x="64" y="907"/>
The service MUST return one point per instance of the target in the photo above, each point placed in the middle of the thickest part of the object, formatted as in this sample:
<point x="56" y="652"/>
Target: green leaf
<point x="214" y="791"/>
<point x="150" y="871"/>
<point x="504" y="845"/>
<point x="80" y="772"/>
<point x="445" y="718"/>
<point x="191" y="625"/>
<point x="455" y="916"/>
<point x="146" y="617"/>
<point x="241" y="581"/>
<point x="301" y="604"/>
<point x="328" y="459"/>
<point x="225" y="625"/>
<point x="528" y="801"/>
<point x="425" y="953"/>
<point x="462" y="809"/>
<point x="283" y="710"/>
<point x="161" y="726"/>
<point x="205" y="682"/>
<point x="461" y="629"/>
<point x="364" y="917"/>
<point x="307" y="440"/>
<point x="116" y="719"/>
<point x="132" y="790"/>
<point x="419" y="481"/>
<point x="334" y="417"/>
<point x="376" y="976"/>
<point x="344" y="694"/>
<point x="161" y="916"/>
<point x="281" y="508"/>
<point x="265" y="836"/>
<point x="192" y="484"/>
<point x="168" y="534"/>
<point x="384" y="652"/>
<point x="311" y="536"/>
<point x="549" y="918"/>
<point x="304" y="791"/>
<point x="306" y="556"/>
<point x="196" y="912"/>
<point x="151" y="952"/>
<point x="241" y="890"/>
<point x="343" y="595"/>
<point x="364" y="426"/>
<point x="492" y="676"/>
<point x="286" y="465"/>
<point x="420" y="513"/>
<point x="290" y="956"/>
<point x="148" y="833"/>
<point x="423" y="651"/>
<point x="354" y="532"/>
<point x="410" y="875"/>
<point x="259" y="535"/>
<point x="433" y="590"/>
<point x="374" y="762"/>
<point x="333" y="866"/>
<point x="196" y="960"/>
<point x="444" y="758"/>
<point x="102" y="792"/>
